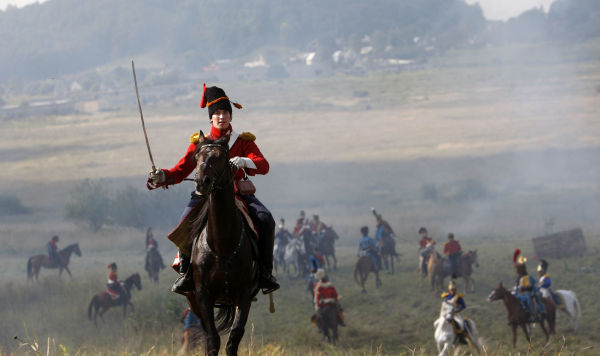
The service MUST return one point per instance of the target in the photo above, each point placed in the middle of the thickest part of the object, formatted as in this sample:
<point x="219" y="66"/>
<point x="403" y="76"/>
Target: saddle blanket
<point x="114" y="295"/>
<point x="180" y="236"/>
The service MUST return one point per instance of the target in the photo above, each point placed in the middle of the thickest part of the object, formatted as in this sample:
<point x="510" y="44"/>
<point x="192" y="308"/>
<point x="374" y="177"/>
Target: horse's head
<point x="447" y="310"/>
<point x="331" y="232"/>
<point x="497" y="294"/>
<point x="77" y="250"/>
<point x="212" y="163"/>
<point x="136" y="280"/>
<point x="473" y="256"/>
<point x="72" y="248"/>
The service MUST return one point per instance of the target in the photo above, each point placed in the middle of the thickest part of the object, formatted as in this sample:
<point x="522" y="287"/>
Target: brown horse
<point x="327" y="246"/>
<point x="34" y="263"/>
<point x="154" y="264"/>
<point x="224" y="268"/>
<point x="387" y="250"/>
<point x="103" y="301"/>
<point x="364" y="266"/>
<point x="437" y="272"/>
<point x="517" y="316"/>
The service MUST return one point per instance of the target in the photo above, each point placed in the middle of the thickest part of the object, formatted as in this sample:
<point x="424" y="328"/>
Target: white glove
<point x="243" y="162"/>
<point x="157" y="176"/>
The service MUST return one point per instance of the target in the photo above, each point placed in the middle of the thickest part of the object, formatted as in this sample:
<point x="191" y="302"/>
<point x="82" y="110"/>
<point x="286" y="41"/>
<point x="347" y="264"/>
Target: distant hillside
<point x="62" y="36"/>
<point x="67" y="36"/>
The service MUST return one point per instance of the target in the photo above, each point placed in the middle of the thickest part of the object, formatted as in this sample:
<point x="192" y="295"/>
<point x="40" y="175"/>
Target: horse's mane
<point x="68" y="247"/>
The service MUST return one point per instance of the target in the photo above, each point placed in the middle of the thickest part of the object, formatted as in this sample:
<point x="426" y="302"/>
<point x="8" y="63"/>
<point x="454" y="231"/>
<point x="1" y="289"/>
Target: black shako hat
<point x="214" y="98"/>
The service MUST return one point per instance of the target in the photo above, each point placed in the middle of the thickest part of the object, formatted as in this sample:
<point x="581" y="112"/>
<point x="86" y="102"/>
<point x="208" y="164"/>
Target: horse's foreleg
<point x="238" y="327"/>
<point x="69" y="272"/>
<point x="543" y="326"/>
<point x="377" y="280"/>
<point x="513" y="327"/>
<point x="334" y="262"/>
<point x="204" y="310"/>
<point x="527" y="336"/>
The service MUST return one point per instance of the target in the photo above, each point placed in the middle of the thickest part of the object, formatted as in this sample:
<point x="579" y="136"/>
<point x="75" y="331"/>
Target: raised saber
<point x="137" y="93"/>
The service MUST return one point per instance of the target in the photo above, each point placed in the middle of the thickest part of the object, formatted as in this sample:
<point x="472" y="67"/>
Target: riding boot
<point x="185" y="283"/>
<point x="267" y="282"/>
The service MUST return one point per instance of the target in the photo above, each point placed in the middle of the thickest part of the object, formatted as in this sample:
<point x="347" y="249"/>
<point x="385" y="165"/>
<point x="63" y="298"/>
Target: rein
<point x="219" y="176"/>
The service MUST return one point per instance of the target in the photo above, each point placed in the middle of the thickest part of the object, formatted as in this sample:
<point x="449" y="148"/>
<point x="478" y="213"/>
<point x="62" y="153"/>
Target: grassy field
<point x="396" y="319"/>
<point x="506" y="138"/>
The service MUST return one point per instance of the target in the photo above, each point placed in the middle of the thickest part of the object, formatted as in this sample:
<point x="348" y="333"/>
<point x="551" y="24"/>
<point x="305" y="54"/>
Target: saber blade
<point x="137" y="93"/>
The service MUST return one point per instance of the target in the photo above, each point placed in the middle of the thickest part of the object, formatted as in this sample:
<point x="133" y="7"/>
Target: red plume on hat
<point x="203" y="100"/>
<point x="515" y="255"/>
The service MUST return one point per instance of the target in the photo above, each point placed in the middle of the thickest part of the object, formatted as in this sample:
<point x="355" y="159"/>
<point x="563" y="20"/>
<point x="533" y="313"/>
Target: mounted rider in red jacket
<point x="244" y="154"/>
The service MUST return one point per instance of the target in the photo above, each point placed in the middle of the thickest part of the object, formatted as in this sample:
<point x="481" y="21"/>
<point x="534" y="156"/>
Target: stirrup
<point x="268" y="284"/>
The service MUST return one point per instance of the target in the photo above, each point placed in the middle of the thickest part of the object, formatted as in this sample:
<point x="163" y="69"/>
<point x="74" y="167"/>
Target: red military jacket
<point x="241" y="145"/>
<point x="425" y="240"/>
<point x="325" y="294"/>
<point x="112" y="277"/>
<point x="451" y="247"/>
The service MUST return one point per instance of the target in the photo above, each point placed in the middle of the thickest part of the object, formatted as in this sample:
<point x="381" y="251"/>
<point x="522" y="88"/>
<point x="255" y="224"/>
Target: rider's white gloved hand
<point x="157" y="176"/>
<point x="243" y="162"/>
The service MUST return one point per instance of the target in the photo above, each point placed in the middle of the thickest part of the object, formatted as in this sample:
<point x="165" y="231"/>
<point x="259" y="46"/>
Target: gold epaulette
<point x="444" y="295"/>
<point x="459" y="295"/>
<point x="195" y="138"/>
<point x="247" y="136"/>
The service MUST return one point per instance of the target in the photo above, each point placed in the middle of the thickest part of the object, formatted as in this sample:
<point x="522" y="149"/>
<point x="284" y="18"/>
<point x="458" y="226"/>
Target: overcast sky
<point x="492" y="9"/>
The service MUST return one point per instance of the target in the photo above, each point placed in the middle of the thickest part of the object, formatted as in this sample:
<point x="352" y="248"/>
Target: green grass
<point x="396" y="319"/>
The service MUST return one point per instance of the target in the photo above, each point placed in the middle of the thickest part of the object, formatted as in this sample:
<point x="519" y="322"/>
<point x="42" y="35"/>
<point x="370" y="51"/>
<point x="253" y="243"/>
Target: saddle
<point x="113" y="294"/>
<point x="181" y="235"/>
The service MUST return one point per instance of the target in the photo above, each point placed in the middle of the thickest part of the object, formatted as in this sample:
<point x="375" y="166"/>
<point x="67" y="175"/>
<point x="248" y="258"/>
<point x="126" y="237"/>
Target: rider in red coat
<point x="325" y="295"/>
<point x="244" y="154"/>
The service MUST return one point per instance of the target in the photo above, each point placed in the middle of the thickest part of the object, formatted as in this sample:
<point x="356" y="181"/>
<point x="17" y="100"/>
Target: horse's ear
<point x="500" y="285"/>
<point x="201" y="137"/>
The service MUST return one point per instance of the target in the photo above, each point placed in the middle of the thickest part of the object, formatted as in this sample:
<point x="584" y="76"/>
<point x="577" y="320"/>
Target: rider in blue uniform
<point x="456" y="299"/>
<point x="525" y="288"/>
<point x="545" y="283"/>
<point x="368" y="247"/>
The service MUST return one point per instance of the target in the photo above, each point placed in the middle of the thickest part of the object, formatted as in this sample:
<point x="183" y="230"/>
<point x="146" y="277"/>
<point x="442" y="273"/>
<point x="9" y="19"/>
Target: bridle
<point x="214" y="185"/>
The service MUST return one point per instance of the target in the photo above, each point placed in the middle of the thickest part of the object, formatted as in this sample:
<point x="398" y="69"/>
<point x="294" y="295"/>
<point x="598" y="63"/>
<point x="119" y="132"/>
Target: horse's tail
<point x="224" y="318"/>
<point x="577" y="306"/>
<point x="93" y="303"/>
<point x="356" y="270"/>
<point x="29" y="268"/>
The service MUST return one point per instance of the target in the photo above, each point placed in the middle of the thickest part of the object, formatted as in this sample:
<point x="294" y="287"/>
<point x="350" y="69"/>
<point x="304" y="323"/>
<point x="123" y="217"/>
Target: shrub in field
<point x="89" y="204"/>
<point x="10" y="204"/>
<point x="92" y="204"/>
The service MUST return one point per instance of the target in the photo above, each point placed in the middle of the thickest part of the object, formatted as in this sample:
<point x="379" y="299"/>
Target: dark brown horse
<point x="326" y="319"/>
<point x="154" y="264"/>
<point x="437" y="272"/>
<point x="102" y="301"/>
<point x="327" y="246"/>
<point x="517" y="316"/>
<point x="387" y="251"/>
<point x="225" y="270"/>
<point x="364" y="266"/>
<point x="34" y="263"/>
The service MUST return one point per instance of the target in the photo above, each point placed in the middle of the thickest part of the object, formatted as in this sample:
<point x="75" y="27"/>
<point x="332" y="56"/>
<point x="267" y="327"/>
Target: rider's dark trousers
<point x="266" y="230"/>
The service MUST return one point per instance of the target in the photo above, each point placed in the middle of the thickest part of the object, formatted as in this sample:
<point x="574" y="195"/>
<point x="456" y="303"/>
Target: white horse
<point x="445" y="337"/>
<point x="293" y="250"/>
<point x="571" y="306"/>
